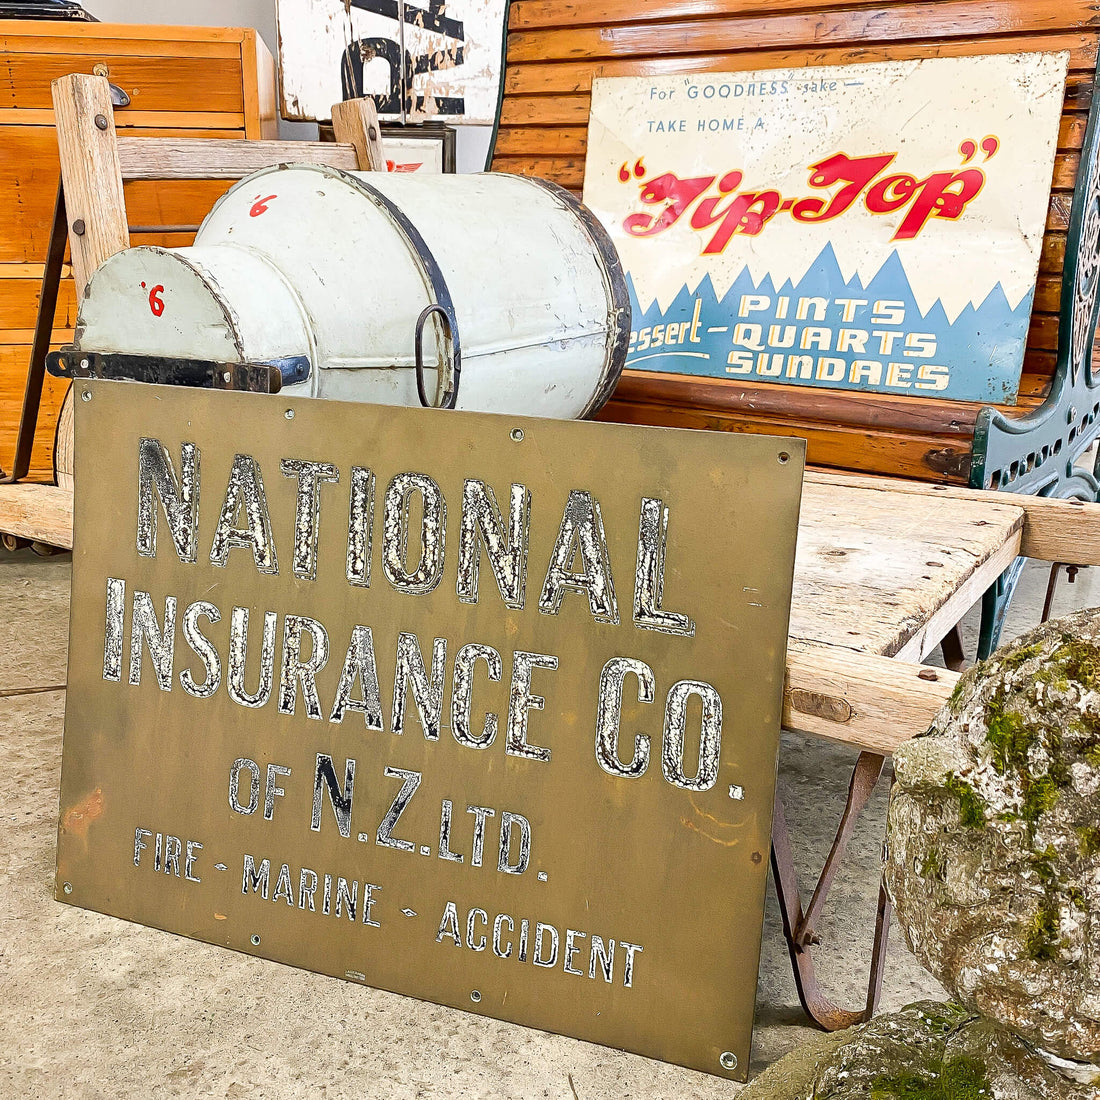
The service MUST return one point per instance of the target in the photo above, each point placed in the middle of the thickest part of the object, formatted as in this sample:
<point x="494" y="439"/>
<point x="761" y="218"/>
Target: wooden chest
<point x="182" y="82"/>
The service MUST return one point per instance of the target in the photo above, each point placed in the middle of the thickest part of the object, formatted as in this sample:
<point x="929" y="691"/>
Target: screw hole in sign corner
<point x="784" y="458"/>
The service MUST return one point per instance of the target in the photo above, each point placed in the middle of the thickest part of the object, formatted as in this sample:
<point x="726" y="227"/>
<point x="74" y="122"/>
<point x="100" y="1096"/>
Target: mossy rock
<point x="927" y="1051"/>
<point x="994" y="840"/>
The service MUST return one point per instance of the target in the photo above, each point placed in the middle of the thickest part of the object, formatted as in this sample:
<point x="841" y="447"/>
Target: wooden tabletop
<point x="892" y="573"/>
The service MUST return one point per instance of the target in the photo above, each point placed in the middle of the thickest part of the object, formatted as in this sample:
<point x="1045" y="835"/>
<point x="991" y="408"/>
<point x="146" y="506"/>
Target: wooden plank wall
<point x="183" y="82"/>
<point x="557" y="47"/>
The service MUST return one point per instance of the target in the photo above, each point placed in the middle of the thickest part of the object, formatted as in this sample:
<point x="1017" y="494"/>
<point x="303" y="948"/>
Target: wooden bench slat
<point x="199" y="158"/>
<point x="1043" y="331"/>
<point x="843" y="446"/>
<point x="895" y="412"/>
<point x="1065" y="169"/>
<point x="1058" y="211"/>
<point x="564" y="171"/>
<point x="545" y="111"/>
<point x="550" y="76"/>
<point x="885" y="696"/>
<point x="1071" y="130"/>
<point x="1039" y="364"/>
<point x="1054" y="530"/>
<point x="942" y="19"/>
<point x="1053" y="256"/>
<point x="542" y="14"/>
<point x="42" y="513"/>
<point x="564" y="141"/>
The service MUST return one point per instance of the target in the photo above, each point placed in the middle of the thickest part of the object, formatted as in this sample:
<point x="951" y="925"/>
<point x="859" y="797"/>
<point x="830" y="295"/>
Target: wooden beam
<point x="215" y="158"/>
<point x="94" y="203"/>
<point x="927" y="640"/>
<point x="355" y="122"/>
<point x="860" y="699"/>
<point x="1054" y="530"/>
<point x="41" y="513"/>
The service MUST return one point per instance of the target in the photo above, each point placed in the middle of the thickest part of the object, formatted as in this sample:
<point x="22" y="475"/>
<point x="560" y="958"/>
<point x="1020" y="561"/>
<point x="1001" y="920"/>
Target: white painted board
<point x="418" y="58"/>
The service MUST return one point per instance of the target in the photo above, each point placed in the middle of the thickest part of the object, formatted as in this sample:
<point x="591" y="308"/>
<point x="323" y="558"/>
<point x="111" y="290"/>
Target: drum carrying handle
<point x="453" y="367"/>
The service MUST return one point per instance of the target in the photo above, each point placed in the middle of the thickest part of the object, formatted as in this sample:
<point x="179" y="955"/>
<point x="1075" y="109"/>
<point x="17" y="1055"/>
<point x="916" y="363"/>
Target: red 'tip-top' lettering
<point x="939" y="195"/>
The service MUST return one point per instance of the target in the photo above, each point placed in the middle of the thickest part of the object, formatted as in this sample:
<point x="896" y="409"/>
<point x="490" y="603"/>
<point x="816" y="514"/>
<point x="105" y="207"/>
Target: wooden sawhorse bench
<point x="912" y="558"/>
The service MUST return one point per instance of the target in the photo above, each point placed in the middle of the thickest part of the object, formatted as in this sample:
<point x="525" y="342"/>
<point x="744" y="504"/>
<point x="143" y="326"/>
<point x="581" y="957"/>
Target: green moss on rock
<point x="1014" y="658"/>
<point x="1009" y="735"/>
<point x="955" y="698"/>
<point x="1043" y="942"/>
<point x="971" y="808"/>
<point x="1081" y="661"/>
<point x="1088" y="840"/>
<point x="961" y="1078"/>
<point x="1043" y="862"/>
<point x="932" y="866"/>
<point x="1041" y="795"/>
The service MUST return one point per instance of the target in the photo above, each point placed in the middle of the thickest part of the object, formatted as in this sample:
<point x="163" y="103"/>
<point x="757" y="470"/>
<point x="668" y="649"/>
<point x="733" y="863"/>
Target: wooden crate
<point x="182" y="82"/>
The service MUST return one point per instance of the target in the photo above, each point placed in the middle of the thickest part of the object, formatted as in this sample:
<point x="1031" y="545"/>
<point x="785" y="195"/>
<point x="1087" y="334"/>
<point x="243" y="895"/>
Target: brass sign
<point x="479" y="709"/>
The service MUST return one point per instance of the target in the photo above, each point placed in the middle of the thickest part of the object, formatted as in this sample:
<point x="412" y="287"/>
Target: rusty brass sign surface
<point x="479" y="709"/>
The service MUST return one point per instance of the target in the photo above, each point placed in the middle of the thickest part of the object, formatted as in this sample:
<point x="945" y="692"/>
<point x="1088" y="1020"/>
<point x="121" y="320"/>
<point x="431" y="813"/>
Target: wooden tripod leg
<point x="43" y="334"/>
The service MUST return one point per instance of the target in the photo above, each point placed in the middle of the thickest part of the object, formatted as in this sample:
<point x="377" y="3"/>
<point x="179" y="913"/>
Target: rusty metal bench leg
<point x="798" y="924"/>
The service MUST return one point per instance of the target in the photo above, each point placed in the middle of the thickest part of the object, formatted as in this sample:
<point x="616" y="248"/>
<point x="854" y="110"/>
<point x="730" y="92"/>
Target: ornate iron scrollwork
<point x="1042" y="453"/>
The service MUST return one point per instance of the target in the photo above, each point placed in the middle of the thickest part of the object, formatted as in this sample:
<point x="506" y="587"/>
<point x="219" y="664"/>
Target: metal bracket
<point x="269" y="377"/>
<point x="451" y="377"/>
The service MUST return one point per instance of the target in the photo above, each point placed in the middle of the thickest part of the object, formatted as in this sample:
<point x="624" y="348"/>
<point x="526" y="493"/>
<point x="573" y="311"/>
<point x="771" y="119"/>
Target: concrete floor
<point x="91" y="1006"/>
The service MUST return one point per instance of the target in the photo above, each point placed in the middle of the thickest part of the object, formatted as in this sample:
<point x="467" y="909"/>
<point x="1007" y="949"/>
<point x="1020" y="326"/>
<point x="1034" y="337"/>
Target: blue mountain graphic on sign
<point x="876" y="329"/>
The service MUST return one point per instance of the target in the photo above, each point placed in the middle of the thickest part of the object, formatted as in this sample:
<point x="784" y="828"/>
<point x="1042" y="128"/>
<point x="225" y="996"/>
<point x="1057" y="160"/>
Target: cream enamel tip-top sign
<point x="479" y="709"/>
<point x="869" y="227"/>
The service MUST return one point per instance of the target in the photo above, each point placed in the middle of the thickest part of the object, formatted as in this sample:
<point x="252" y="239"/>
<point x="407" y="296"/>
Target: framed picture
<point x="426" y="148"/>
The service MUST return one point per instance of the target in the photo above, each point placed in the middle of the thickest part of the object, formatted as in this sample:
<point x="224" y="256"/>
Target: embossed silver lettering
<point x="609" y="715"/>
<point x="179" y="498"/>
<point x="307" y="511"/>
<point x="245" y="489"/>
<point x="506" y="551"/>
<point x="582" y="532"/>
